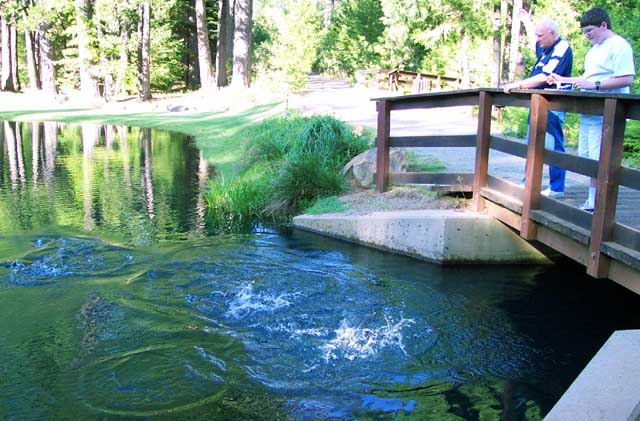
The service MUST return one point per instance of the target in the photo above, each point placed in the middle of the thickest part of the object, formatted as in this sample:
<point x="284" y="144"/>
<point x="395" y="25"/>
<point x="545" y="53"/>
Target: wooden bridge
<point x="606" y="241"/>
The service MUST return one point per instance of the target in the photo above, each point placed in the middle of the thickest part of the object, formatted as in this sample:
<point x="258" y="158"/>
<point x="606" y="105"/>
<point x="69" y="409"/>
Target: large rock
<point x="360" y="171"/>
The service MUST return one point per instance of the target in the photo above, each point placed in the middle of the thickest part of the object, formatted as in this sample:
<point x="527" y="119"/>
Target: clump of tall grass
<point x="235" y="203"/>
<point x="289" y="162"/>
<point x="311" y="161"/>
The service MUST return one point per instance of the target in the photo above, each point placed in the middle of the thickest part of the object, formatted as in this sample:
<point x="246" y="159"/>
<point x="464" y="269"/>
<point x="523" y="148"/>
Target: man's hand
<point x="553" y="79"/>
<point x="507" y="88"/>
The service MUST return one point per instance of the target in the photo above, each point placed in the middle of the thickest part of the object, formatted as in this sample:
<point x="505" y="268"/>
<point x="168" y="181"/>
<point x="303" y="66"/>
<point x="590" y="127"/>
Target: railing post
<point x="604" y="216"/>
<point x="482" y="149"/>
<point x="535" y="159"/>
<point x="382" y="145"/>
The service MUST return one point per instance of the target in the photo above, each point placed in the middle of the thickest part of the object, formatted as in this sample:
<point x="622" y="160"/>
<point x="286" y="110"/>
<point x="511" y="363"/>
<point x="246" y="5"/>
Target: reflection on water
<point x="143" y="184"/>
<point x="100" y="319"/>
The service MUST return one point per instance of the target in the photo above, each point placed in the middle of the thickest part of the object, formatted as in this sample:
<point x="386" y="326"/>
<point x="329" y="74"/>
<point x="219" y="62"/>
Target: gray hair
<point x="550" y="23"/>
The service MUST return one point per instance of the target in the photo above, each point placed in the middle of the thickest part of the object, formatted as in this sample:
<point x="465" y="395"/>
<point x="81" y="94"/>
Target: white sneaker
<point x="550" y="193"/>
<point x="586" y="206"/>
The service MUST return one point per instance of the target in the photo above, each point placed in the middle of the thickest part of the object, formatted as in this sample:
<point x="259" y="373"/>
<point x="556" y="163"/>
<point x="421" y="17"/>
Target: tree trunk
<point x="328" y="12"/>
<point x="515" y="39"/>
<point x="231" y="28"/>
<point x="144" y="89"/>
<point x="242" y="44"/>
<point x="464" y="61"/>
<point x="192" y="76"/>
<point x="88" y="82"/>
<point x="125" y="36"/>
<point x="47" y="67"/>
<point x="14" y="55"/>
<point x="496" y="74"/>
<point x="108" y="87"/>
<point x="204" y="50"/>
<point x="6" y="79"/>
<point x="32" y="71"/>
<point x="504" y="14"/>
<point x="223" y="52"/>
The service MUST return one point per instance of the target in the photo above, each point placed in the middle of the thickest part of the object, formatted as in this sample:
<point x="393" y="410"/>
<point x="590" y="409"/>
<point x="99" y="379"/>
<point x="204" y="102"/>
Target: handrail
<point x="537" y="213"/>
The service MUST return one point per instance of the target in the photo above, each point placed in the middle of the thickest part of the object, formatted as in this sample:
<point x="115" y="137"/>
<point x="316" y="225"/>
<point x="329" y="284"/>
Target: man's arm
<point x="582" y="83"/>
<point x="532" y="82"/>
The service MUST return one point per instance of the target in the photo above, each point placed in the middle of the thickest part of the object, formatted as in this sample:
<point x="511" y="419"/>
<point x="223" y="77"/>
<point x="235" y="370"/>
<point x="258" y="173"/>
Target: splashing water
<point x="247" y="303"/>
<point x="359" y="343"/>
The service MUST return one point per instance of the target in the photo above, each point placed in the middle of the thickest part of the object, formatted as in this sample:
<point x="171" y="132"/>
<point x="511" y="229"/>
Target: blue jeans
<point x="554" y="139"/>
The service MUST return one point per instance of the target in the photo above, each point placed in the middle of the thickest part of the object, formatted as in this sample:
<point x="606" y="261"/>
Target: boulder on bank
<point x="359" y="172"/>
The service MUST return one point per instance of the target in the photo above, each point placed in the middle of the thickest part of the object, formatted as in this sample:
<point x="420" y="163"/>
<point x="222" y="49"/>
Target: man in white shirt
<point x="608" y="67"/>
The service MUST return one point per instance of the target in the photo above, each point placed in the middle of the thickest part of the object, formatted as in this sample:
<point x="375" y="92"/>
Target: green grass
<point x="417" y="163"/>
<point x="329" y="204"/>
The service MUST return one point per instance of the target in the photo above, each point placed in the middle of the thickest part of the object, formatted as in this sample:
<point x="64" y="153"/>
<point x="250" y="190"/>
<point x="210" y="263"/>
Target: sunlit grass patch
<point x="329" y="204"/>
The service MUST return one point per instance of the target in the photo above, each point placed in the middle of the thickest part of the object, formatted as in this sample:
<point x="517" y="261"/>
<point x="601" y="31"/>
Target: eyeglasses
<point x="587" y="30"/>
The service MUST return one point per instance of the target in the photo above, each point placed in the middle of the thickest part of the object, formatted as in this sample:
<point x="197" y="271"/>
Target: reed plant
<point x="288" y="163"/>
<point x="236" y="203"/>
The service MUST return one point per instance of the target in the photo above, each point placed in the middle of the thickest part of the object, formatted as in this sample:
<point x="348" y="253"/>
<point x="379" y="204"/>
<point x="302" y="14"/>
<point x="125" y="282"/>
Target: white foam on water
<point x="296" y="332"/>
<point x="353" y="342"/>
<point x="220" y="364"/>
<point x="247" y="302"/>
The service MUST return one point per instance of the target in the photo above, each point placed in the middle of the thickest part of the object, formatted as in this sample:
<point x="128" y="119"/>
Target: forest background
<point x="114" y="48"/>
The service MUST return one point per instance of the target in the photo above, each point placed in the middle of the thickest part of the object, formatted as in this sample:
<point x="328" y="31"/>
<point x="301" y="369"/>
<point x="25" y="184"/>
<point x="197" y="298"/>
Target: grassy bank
<point x="214" y="131"/>
<point x="289" y="162"/>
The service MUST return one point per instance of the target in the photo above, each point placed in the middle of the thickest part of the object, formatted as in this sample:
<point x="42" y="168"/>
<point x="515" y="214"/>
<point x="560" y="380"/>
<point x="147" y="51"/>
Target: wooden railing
<point x="420" y="82"/>
<point x="607" y="248"/>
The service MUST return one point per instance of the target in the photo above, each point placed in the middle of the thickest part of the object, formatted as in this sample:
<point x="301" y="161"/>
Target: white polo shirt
<point x="613" y="57"/>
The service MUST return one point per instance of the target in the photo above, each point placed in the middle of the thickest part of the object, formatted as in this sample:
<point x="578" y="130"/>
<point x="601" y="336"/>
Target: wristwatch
<point x="597" y="85"/>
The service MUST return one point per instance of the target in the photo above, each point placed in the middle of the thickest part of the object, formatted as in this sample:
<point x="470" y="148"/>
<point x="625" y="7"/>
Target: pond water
<point x="117" y="301"/>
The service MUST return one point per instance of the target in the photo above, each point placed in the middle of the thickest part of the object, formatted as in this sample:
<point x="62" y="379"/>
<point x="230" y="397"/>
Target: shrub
<point x="299" y="183"/>
<point x="289" y="162"/>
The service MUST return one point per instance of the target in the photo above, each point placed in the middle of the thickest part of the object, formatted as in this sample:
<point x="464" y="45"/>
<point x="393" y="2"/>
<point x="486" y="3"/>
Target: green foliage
<point x="353" y="39"/>
<point x="167" y="50"/>
<point x="270" y="141"/>
<point x="234" y="204"/>
<point x="514" y="122"/>
<point x="287" y="42"/>
<point x="632" y="143"/>
<point x="300" y="181"/>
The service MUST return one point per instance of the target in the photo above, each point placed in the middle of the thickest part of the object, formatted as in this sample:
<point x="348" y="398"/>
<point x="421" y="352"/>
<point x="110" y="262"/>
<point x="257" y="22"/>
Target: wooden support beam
<point x="382" y="145"/>
<point x="609" y="173"/>
<point x="482" y="149"/>
<point x="535" y="160"/>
